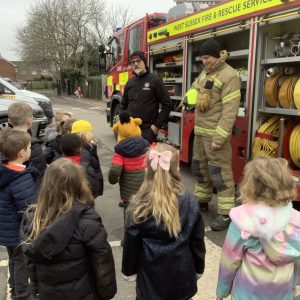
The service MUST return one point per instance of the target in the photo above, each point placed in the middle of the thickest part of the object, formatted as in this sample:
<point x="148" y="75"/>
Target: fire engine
<point x="262" y="38"/>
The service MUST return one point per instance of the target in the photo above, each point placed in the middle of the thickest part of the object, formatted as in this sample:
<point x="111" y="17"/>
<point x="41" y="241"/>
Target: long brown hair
<point x="268" y="180"/>
<point x="157" y="196"/>
<point x="63" y="182"/>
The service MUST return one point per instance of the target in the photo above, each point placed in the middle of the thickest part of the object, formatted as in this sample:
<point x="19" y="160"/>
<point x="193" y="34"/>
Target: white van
<point x="8" y="91"/>
<point x="39" y="121"/>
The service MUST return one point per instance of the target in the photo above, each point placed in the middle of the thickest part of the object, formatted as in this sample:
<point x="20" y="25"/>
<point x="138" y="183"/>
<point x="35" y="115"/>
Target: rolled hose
<point x="266" y="139"/>
<point x="294" y="145"/>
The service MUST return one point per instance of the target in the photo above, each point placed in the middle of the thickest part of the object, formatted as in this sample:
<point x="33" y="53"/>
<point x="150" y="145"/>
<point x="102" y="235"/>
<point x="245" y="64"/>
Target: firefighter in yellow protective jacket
<point x="217" y="105"/>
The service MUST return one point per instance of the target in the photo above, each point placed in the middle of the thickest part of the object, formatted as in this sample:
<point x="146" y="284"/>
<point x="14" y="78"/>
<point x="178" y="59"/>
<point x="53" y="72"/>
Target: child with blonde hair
<point x="260" y="256"/>
<point x="65" y="238"/>
<point x="20" y="115"/>
<point x="89" y="157"/>
<point x="164" y="236"/>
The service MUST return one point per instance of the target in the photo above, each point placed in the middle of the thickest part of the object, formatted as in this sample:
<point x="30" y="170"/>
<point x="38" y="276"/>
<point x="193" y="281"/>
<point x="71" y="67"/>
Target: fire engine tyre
<point x="115" y="114"/>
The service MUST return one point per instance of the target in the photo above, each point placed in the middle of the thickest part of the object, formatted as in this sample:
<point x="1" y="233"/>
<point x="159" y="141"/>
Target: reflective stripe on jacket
<point x="217" y="121"/>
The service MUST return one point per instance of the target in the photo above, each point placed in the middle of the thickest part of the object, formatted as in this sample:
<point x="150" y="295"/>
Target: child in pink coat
<point x="260" y="256"/>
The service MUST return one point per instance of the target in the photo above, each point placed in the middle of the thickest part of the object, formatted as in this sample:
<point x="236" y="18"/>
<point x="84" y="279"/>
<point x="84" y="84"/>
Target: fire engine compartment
<point x="277" y="92"/>
<point x="257" y="51"/>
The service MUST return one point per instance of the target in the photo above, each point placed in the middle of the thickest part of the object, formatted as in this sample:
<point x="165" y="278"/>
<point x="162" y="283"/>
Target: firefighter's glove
<point x="203" y="101"/>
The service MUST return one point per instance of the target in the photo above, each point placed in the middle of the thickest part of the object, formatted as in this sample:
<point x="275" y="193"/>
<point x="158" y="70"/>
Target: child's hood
<point x="132" y="147"/>
<point x="57" y="236"/>
<point x="50" y="133"/>
<point x="278" y="229"/>
<point x="7" y="175"/>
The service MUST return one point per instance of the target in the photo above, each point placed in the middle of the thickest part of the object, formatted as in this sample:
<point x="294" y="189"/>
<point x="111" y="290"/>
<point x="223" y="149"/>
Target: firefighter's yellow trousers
<point x="212" y="168"/>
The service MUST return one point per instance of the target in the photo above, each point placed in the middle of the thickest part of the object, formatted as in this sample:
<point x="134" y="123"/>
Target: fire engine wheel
<point x="4" y="123"/>
<point x="115" y="117"/>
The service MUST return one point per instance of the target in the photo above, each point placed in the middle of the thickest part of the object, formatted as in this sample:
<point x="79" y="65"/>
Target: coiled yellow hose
<point x="266" y="140"/>
<point x="294" y="145"/>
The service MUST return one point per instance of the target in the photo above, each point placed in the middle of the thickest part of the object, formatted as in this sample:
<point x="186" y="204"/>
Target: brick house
<point x="8" y="69"/>
<point x="29" y="70"/>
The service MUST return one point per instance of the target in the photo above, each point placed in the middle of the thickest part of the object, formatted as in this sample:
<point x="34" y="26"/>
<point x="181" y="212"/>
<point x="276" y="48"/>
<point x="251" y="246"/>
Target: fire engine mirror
<point x="102" y="58"/>
<point x="102" y="50"/>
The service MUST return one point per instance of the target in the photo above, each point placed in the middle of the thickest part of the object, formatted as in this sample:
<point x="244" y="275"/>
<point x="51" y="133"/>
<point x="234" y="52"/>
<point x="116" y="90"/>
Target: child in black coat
<point x="89" y="157"/>
<point x="164" y="237"/>
<point x="66" y="240"/>
<point x="71" y="146"/>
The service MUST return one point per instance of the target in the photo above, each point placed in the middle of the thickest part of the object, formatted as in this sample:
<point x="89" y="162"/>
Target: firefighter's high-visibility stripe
<point x="200" y="130"/>
<point x="231" y="96"/>
<point x="218" y="83"/>
<point x="222" y="132"/>
<point x="203" y="193"/>
<point x="225" y="203"/>
<point x="202" y="76"/>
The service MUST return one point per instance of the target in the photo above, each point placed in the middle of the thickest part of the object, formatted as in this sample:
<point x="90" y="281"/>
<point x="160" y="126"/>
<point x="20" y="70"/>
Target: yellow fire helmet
<point x="190" y="98"/>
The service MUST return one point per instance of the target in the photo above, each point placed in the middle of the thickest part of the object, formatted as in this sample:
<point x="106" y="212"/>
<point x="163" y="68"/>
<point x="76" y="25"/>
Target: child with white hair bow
<point x="164" y="236"/>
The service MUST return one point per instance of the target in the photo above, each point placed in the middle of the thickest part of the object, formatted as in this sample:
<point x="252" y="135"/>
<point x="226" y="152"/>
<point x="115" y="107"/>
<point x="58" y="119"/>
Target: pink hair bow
<point x="160" y="158"/>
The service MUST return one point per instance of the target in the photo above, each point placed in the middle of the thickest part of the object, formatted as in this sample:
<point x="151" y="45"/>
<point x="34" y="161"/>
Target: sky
<point x="13" y="14"/>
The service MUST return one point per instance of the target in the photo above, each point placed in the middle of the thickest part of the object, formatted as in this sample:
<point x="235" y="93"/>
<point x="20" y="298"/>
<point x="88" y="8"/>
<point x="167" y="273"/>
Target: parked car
<point x="10" y="92"/>
<point x="39" y="121"/>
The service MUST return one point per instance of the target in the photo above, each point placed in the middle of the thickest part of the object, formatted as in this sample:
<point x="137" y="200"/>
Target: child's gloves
<point x="130" y="278"/>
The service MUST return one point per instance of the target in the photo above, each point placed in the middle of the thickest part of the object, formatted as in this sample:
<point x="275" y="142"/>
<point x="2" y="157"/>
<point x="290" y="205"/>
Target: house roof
<point x="7" y="61"/>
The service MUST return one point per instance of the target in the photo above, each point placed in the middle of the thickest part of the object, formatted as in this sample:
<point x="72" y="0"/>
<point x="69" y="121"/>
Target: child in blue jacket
<point x="18" y="189"/>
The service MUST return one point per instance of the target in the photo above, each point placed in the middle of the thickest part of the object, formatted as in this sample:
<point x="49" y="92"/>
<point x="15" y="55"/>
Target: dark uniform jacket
<point x="128" y="166"/>
<point x="90" y="161"/>
<point x="166" y="267"/>
<point x="72" y="257"/>
<point x="141" y="99"/>
<point x="18" y="189"/>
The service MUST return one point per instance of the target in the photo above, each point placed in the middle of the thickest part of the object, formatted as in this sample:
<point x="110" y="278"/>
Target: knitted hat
<point x="81" y="126"/>
<point x="127" y="126"/>
<point x="210" y="47"/>
<point x="138" y="54"/>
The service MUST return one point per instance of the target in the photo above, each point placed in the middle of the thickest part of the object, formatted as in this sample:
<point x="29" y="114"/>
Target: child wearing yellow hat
<point x="89" y="157"/>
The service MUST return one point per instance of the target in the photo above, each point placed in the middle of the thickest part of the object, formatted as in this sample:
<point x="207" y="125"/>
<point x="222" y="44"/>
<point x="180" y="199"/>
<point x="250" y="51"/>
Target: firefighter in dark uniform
<point x="142" y="96"/>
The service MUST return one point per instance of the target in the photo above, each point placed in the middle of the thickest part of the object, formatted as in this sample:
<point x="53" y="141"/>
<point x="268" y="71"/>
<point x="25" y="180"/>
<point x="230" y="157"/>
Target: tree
<point x="59" y="32"/>
<point x="118" y="17"/>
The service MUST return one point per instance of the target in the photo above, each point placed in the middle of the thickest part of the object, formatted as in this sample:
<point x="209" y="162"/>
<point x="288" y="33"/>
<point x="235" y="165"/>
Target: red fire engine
<point x="262" y="38"/>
